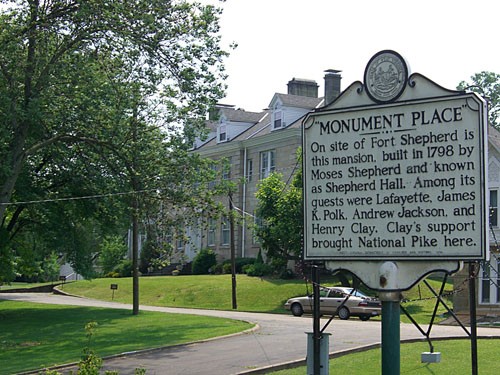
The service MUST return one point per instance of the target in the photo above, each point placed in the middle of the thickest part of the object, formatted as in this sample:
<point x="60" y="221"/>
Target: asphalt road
<point x="276" y="340"/>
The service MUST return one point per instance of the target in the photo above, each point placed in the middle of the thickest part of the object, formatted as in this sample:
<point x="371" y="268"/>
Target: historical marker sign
<point x="399" y="176"/>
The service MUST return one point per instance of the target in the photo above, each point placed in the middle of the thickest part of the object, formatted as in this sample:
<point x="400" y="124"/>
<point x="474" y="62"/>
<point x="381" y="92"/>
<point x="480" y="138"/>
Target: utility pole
<point x="135" y="256"/>
<point x="473" y="318"/>
<point x="316" y="322"/>
<point x="233" y="252"/>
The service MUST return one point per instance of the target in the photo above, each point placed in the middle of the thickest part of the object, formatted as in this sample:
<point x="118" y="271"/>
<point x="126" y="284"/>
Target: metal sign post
<point x="390" y="333"/>
<point x="394" y="174"/>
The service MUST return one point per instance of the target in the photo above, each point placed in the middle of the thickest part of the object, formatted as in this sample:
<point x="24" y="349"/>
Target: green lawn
<point x="201" y="291"/>
<point x="214" y="292"/>
<point x="455" y="359"/>
<point x="23" y="285"/>
<point x="34" y="336"/>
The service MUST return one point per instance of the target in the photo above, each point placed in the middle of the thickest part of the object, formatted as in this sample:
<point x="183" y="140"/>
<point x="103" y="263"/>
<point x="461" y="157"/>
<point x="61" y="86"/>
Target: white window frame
<point x="493" y="209"/>
<point x="225" y="232"/>
<point x="267" y="163"/>
<point x="489" y="292"/>
<point x="249" y="169"/>
<point x="212" y="227"/>
<point x="278" y="119"/>
<point x="226" y="169"/>
<point x="179" y="243"/>
<point x="222" y="133"/>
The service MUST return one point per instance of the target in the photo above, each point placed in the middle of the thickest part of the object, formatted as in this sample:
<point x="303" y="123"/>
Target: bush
<point x="204" y="261"/>
<point x="124" y="268"/>
<point x="240" y="264"/>
<point x="259" y="269"/>
<point x="226" y="267"/>
<point x="287" y="274"/>
<point x="113" y="250"/>
<point x="218" y="269"/>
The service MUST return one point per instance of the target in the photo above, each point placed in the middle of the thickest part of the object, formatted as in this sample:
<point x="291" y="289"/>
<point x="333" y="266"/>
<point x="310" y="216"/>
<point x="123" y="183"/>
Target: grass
<point x="23" y="285"/>
<point x="455" y="359"/>
<point x="214" y="292"/>
<point x="34" y="336"/>
<point x="419" y="301"/>
<point x="203" y="291"/>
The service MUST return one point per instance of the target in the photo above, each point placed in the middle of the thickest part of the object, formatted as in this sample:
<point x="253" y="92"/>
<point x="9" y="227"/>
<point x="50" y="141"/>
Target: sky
<point x="445" y="40"/>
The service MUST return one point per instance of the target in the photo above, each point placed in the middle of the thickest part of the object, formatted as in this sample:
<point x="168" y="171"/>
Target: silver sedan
<point x="332" y="302"/>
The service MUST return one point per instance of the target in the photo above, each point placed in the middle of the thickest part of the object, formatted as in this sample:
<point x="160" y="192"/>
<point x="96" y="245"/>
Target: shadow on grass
<point x="37" y="335"/>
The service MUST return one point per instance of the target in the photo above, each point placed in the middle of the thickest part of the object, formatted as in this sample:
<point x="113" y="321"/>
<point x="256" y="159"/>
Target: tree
<point x="280" y="209"/>
<point x="113" y="250"/>
<point x="71" y="75"/>
<point x="486" y="84"/>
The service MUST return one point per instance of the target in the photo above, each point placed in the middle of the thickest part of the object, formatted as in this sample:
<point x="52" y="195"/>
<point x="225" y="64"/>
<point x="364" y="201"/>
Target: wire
<point x="96" y="196"/>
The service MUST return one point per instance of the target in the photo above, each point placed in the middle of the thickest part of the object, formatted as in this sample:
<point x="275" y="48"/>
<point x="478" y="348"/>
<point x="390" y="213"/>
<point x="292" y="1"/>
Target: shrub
<point x="218" y="268"/>
<point x="240" y="264"/>
<point x="259" y="269"/>
<point x="124" y="268"/>
<point x="204" y="261"/>
<point x="286" y="274"/>
<point x="113" y="250"/>
<point x="226" y="267"/>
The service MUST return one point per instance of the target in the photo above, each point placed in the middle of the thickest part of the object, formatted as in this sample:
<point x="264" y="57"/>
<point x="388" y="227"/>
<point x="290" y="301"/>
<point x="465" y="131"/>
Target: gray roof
<point x="299" y="101"/>
<point x="494" y="137"/>
<point x="240" y="115"/>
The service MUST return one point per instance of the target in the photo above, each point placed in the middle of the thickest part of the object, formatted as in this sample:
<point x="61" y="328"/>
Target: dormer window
<point x="278" y="119"/>
<point x="222" y="133"/>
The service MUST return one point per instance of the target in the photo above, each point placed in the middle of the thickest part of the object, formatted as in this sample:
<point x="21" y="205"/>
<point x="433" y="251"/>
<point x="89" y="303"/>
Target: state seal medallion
<point x="386" y="76"/>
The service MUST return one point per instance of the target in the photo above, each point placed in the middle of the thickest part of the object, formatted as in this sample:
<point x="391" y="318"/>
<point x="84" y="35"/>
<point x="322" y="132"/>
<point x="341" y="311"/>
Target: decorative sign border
<point x="397" y="181"/>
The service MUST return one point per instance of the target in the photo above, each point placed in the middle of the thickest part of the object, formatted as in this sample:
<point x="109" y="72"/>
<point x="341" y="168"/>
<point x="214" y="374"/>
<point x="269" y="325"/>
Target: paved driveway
<point x="278" y="339"/>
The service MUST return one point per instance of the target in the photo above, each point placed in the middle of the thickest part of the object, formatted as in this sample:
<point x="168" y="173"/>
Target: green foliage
<point x="113" y="249"/>
<point x="98" y="100"/>
<point x="204" y="261"/>
<point x="240" y="264"/>
<point x="124" y="268"/>
<point x="486" y="84"/>
<point x="259" y="259"/>
<point x="259" y="269"/>
<point x="90" y="363"/>
<point x="280" y="208"/>
<point x="50" y="267"/>
<point x="226" y="267"/>
<point x="7" y="263"/>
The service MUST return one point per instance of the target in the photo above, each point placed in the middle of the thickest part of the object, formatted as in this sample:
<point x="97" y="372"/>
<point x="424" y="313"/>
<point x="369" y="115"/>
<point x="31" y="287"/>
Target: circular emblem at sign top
<point x="386" y="76"/>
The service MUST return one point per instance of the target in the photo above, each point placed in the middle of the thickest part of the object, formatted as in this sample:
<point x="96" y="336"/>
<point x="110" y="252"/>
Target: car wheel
<point x="364" y="318"/>
<point x="297" y="309"/>
<point x="344" y="313"/>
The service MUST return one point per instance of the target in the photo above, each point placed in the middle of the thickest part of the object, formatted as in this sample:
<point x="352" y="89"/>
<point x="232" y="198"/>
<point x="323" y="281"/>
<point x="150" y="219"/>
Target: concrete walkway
<point x="278" y="339"/>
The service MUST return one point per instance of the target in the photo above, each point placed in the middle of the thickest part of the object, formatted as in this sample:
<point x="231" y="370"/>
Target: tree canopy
<point x="280" y="209"/>
<point x="486" y="84"/>
<point x="97" y="98"/>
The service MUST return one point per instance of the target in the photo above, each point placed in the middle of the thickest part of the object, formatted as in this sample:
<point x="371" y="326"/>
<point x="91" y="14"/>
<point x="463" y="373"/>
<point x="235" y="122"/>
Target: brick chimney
<point x="303" y="87"/>
<point x="332" y="85"/>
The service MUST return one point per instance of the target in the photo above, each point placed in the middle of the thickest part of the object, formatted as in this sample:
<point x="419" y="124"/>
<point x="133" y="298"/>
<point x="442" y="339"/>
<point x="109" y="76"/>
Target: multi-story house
<point x="486" y="275"/>
<point x="256" y="144"/>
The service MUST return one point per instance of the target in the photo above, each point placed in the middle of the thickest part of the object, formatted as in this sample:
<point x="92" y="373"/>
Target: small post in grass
<point x="113" y="288"/>
<point x="63" y="279"/>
